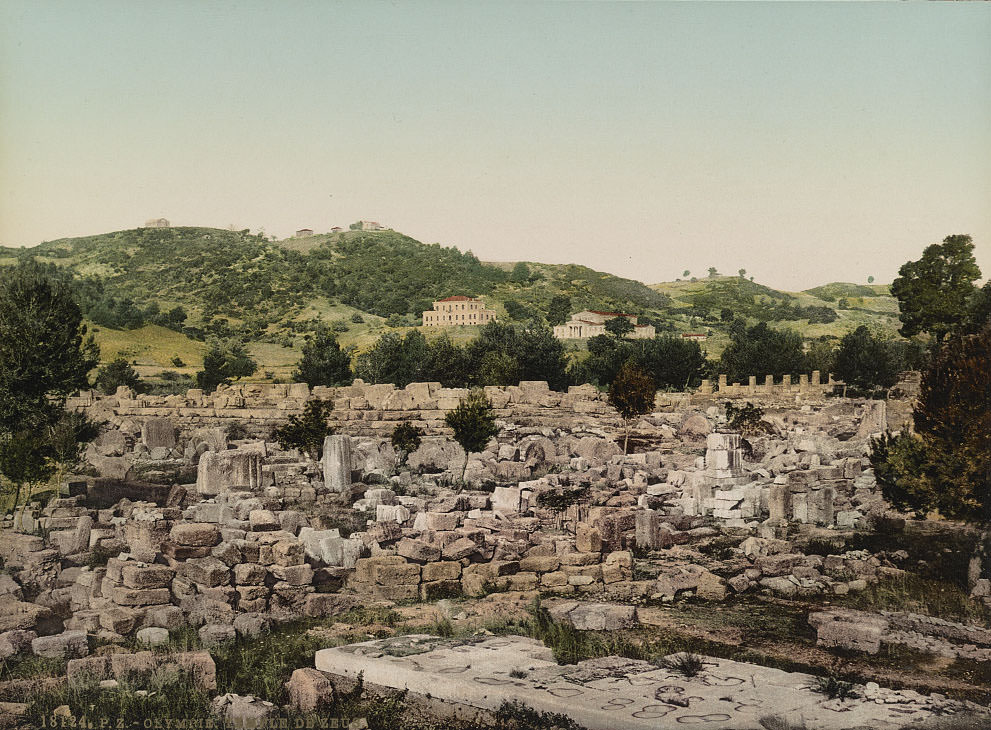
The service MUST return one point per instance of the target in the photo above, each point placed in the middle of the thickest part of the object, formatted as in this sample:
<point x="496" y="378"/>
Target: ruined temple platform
<point x="614" y="693"/>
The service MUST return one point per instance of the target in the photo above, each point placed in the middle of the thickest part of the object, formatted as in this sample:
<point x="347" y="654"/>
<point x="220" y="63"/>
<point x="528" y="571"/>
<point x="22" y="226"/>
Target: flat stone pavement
<point x="614" y="693"/>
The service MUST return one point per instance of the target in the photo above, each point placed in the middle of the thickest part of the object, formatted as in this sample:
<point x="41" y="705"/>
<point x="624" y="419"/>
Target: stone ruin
<point x="228" y="535"/>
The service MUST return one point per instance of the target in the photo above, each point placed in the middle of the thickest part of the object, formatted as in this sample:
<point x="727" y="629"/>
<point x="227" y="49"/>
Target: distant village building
<point x="336" y="229"/>
<point x="157" y="223"/>
<point x="699" y="336"/>
<point x="459" y="310"/>
<point x="368" y="226"/>
<point x="304" y="233"/>
<point x="591" y="323"/>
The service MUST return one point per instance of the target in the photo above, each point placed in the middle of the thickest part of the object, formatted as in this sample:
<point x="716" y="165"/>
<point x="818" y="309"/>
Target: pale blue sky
<point x="805" y="142"/>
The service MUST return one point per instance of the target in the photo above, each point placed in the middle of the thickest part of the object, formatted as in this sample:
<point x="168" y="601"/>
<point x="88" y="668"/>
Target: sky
<point x="803" y="142"/>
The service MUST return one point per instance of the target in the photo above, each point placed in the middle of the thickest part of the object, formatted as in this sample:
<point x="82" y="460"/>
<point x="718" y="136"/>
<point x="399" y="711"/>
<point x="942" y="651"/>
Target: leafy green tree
<point x="116" y="373"/>
<point x="821" y="356"/>
<point x="712" y="272"/>
<point x="866" y="361"/>
<point x="539" y="355"/>
<point x="447" y="363"/>
<point x="946" y="465"/>
<point x="979" y="309"/>
<point x="520" y="273"/>
<point x="44" y="352"/>
<point x="224" y="360"/>
<point x="619" y="326"/>
<point x="498" y="368"/>
<point x="307" y="433"/>
<point x="473" y="423"/>
<point x="517" y="311"/>
<point x="395" y="358"/>
<point x="870" y="279"/>
<point x="559" y="310"/>
<point x="686" y="273"/>
<point x="933" y="292"/>
<point x="406" y="438"/>
<point x="357" y="318"/>
<point x="748" y="419"/>
<point x="632" y="393"/>
<point x="324" y="362"/>
<point x="742" y="273"/>
<point x="760" y="350"/>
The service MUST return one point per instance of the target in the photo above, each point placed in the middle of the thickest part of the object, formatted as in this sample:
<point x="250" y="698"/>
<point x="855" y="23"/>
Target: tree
<point x="712" y="272"/>
<point x="866" y="361"/>
<point x="933" y="292"/>
<point x="224" y="360"/>
<point x="116" y="373"/>
<point x="686" y="273"/>
<point x="406" y="438"/>
<point x="946" y="465"/>
<point x="870" y="279"/>
<point x="473" y="423"/>
<point x="632" y="393"/>
<point x="307" y="433"/>
<point x="742" y="273"/>
<point x="760" y="350"/>
<point x="979" y="309"/>
<point x="24" y="460"/>
<point x="559" y="310"/>
<point x="520" y="273"/>
<point x="619" y="326"/>
<point x="395" y="358"/>
<point x="44" y="352"/>
<point x="324" y="362"/>
<point x="66" y="439"/>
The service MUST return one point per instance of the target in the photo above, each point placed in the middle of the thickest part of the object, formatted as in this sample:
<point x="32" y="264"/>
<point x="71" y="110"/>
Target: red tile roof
<point x="458" y="298"/>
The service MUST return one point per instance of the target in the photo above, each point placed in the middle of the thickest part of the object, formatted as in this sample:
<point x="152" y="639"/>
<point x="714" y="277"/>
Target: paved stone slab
<point x="613" y="693"/>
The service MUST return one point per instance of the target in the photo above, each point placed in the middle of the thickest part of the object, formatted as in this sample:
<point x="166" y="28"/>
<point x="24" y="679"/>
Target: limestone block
<point x="224" y="471"/>
<point x="337" y="463"/>
<point x="123" y="596"/>
<point x="249" y="574"/>
<point x="436" y="521"/>
<point x="417" y="550"/>
<point x="215" y="634"/>
<point x="153" y="636"/>
<point x="68" y="644"/>
<point x="263" y="520"/>
<point x="309" y="691"/>
<point x="444" y="570"/>
<point x="135" y="575"/>
<point x="208" y="572"/>
<point x="158" y="433"/>
<point x="459" y="549"/>
<point x="849" y="630"/>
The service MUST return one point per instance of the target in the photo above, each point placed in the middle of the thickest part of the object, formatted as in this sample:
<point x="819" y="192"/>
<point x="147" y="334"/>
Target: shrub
<point x="684" y="663"/>
<point x="236" y="431"/>
<point x="116" y="373"/>
<point x="834" y="688"/>
<point x="307" y="433"/>
<point x="406" y="439"/>
<point x="473" y="423"/>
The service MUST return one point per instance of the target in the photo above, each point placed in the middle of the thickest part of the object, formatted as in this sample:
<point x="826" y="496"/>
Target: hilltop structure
<point x="157" y="223"/>
<point x="458" y="310"/>
<point x="304" y="233"/>
<point x="590" y="323"/>
<point x="368" y="226"/>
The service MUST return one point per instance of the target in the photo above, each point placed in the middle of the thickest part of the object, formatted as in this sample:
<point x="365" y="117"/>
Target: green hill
<point x="154" y="294"/>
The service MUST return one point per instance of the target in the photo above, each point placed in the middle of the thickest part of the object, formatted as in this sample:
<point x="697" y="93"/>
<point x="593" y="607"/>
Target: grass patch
<point x="684" y="663"/>
<point x="28" y="666"/>
<point x="171" y="695"/>
<point x="916" y="594"/>
<point x="261" y="665"/>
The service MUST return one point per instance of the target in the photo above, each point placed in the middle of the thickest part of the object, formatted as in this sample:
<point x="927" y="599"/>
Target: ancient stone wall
<point x="363" y="409"/>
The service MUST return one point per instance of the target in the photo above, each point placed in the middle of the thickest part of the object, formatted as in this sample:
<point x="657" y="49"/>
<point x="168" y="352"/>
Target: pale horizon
<point x="804" y="142"/>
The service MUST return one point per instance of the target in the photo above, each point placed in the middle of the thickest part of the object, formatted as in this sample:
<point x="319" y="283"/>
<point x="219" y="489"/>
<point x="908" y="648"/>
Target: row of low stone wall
<point x="362" y="408"/>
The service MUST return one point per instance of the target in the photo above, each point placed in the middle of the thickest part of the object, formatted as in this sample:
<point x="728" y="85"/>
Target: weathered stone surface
<point x="158" y="433"/>
<point x="68" y="644"/>
<point x="725" y="695"/>
<point x="153" y="636"/>
<point x="849" y="630"/>
<point x="223" y="471"/>
<point x="195" y="534"/>
<point x="417" y="550"/>
<point x="337" y="463"/>
<point x="214" y="634"/>
<point x="595" y="616"/>
<point x="309" y="690"/>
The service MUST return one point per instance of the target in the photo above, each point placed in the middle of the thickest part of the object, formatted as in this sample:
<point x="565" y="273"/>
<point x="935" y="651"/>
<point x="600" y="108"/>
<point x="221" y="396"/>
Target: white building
<point x="590" y="323"/>
<point x="459" y="310"/>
